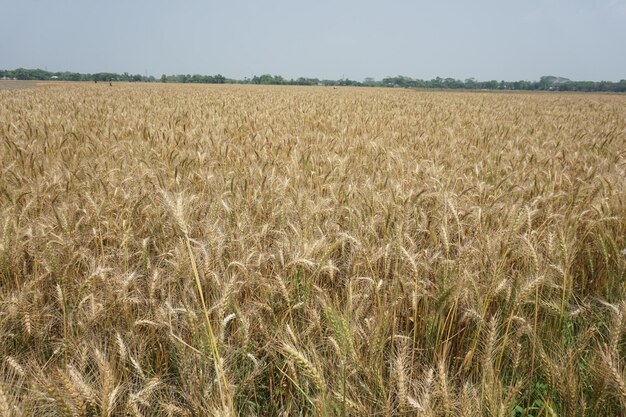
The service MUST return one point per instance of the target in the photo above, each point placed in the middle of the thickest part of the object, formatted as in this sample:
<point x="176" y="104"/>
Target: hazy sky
<point x="485" y="39"/>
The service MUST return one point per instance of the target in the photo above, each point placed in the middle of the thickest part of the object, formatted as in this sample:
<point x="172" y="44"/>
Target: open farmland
<point x="246" y="250"/>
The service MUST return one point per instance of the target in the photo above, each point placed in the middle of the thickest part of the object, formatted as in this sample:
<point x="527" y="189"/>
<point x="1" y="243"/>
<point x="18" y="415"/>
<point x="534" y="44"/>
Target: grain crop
<point x="176" y="250"/>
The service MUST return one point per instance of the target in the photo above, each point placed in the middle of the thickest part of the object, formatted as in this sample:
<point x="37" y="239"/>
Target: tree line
<point x="546" y="83"/>
<point x="42" y="75"/>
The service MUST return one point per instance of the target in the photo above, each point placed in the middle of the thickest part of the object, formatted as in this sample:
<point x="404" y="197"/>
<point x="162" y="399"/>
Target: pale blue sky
<point x="485" y="39"/>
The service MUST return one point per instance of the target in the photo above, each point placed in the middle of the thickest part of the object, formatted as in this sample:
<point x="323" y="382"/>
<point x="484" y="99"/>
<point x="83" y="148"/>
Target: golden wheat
<point x="249" y="250"/>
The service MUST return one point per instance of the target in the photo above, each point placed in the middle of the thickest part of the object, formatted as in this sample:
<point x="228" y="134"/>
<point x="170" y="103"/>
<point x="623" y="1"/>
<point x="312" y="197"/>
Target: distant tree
<point x="263" y="79"/>
<point x="399" y="81"/>
<point x="305" y="81"/>
<point x="451" y="83"/>
<point x="31" y="74"/>
<point x="197" y="78"/>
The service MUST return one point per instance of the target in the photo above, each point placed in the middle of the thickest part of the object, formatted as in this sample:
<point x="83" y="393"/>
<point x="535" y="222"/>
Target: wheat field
<point x="173" y="250"/>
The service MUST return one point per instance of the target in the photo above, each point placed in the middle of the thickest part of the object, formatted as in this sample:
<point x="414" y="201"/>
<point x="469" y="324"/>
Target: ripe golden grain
<point x="308" y="251"/>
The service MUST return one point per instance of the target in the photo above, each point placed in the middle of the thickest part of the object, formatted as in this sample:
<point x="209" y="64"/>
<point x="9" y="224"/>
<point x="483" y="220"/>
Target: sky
<point x="326" y="39"/>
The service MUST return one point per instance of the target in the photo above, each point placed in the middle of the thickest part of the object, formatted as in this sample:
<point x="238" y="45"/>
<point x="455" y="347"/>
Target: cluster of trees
<point x="196" y="78"/>
<point x="268" y="79"/>
<point x="546" y="83"/>
<point x="39" y="74"/>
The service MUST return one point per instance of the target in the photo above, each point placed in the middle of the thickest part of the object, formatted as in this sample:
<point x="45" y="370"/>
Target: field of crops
<point x="175" y="250"/>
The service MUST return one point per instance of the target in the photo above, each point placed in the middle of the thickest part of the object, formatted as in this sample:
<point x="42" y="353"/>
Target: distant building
<point x="54" y="77"/>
